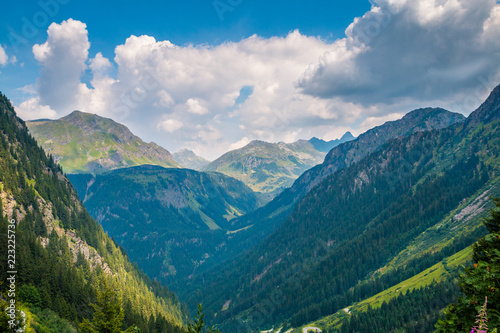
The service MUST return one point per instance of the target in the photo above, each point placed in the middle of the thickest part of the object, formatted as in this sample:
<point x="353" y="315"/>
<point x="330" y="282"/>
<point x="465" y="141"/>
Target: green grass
<point x="439" y="272"/>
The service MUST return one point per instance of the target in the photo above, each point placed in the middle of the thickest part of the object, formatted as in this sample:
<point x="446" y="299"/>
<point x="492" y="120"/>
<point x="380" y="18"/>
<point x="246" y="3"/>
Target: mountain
<point x="60" y="257"/>
<point x="188" y="159"/>
<point x="268" y="167"/>
<point x="87" y="143"/>
<point x="171" y="221"/>
<point x="326" y="146"/>
<point x="375" y="222"/>
<point x="260" y="223"/>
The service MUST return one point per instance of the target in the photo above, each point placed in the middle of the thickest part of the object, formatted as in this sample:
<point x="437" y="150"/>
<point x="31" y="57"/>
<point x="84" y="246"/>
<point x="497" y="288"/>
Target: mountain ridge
<point x="267" y="167"/>
<point x="267" y="218"/>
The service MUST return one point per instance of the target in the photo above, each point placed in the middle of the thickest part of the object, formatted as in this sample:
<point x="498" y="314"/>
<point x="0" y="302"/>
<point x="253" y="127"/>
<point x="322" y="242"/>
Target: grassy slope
<point x="268" y="167"/>
<point x="85" y="143"/>
<point x="441" y="271"/>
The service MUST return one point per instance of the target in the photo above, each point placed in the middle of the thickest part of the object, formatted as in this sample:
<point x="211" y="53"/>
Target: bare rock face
<point x="75" y="243"/>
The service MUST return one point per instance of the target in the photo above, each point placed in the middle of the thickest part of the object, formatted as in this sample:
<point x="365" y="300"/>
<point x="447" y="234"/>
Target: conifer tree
<point x="478" y="282"/>
<point x="108" y="312"/>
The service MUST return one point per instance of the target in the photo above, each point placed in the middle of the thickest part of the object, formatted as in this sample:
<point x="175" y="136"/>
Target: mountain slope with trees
<point x="257" y="225"/>
<point x="63" y="256"/>
<point x="327" y="253"/>
<point x="171" y="221"/>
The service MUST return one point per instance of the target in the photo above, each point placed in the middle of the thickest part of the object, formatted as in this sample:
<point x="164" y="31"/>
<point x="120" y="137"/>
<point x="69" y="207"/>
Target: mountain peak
<point x="488" y="111"/>
<point x="326" y="146"/>
<point x="188" y="159"/>
<point x="347" y="136"/>
<point x="97" y="144"/>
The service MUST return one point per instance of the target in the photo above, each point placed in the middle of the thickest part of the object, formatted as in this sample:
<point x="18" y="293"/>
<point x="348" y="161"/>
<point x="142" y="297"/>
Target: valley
<point x="390" y="213"/>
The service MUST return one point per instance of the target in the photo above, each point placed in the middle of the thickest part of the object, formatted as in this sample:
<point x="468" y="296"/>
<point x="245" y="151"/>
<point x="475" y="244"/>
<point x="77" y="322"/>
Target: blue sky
<point x="110" y="23"/>
<point x="213" y="75"/>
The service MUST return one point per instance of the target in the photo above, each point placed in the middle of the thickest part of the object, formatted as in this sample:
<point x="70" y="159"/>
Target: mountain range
<point x="87" y="143"/>
<point x="380" y="226"/>
<point x="260" y="223"/>
<point x="397" y="208"/>
<point x="271" y="167"/>
<point x="188" y="159"/>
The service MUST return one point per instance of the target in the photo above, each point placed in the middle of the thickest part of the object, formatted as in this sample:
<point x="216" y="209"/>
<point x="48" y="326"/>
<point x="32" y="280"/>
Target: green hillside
<point x="64" y="260"/>
<point x="87" y="143"/>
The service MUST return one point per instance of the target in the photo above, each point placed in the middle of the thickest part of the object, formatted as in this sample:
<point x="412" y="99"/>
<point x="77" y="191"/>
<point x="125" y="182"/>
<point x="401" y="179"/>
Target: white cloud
<point x="424" y="50"/>
<point x="31" y="110"/>
<point x="371" y="122"/>
<point x="240" y="144"/>
<point x="63" y="58"/>
<point x="99" y="64"/>
<point x="195" y="106"/>
<point x="4" y="59"/>
<point x="169" y="125"/>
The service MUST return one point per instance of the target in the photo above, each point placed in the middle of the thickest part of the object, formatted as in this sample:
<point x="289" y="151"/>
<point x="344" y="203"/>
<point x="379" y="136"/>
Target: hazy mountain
<point x="268" y="167"/>
<point x="87" y="143"/>
<point x="169" y="220"/>
<point x="399" y="213"/>
<point x="63" y="256"/>
<point x="326" y="146"/>
<point x="188" y="159"/>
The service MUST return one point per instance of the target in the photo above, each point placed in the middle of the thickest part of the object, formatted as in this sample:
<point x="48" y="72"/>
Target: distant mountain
<point x="87" y="143"/>
<point x="188" y="159"/>
<point x="398" y="218"/>
<point x="63" y="258"/>
<point x="326" y="146"/>
<point x="169" y="220"/>
<point x="268" y="167"/>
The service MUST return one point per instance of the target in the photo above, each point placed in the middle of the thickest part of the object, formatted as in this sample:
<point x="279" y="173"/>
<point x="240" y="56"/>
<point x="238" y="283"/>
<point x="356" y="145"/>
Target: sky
<point x="212" y="75"/>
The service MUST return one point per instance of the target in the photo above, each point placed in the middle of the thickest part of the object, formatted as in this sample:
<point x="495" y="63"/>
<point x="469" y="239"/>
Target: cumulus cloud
<point x="63" y="58"/>
<point x="169" y="125"/>
<point x="400" y="55"/>
<point x="424" y="50"/>
<point x="32" y="109"/>
<point x="195" y="106"/>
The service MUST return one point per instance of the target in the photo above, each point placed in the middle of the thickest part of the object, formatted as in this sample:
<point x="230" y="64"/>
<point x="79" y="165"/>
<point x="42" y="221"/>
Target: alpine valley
<point x="365" y="234"/>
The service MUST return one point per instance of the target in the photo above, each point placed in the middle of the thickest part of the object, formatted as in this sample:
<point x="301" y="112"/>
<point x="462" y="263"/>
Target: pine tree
<point x="478" y="282"/>
<point x="108" y="312"/>
<point x="199" y="323"/>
